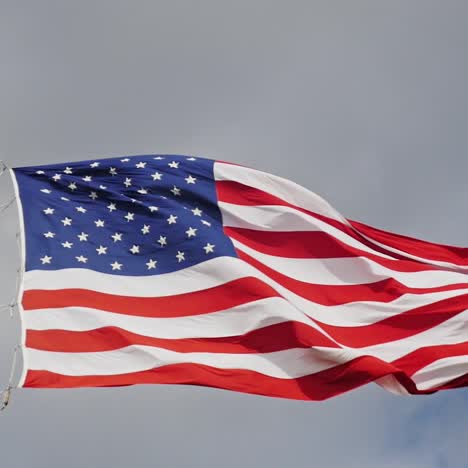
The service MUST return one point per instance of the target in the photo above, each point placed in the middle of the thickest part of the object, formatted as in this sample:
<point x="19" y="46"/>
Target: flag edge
<point x="21" y="273"/>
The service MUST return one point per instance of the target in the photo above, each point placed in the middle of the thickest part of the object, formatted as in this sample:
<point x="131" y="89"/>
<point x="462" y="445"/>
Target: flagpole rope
<point x="7" y="204"/>
<point x="3" y="167"/>
<point x="11" y="307"/>
<point x="6" y="395"/>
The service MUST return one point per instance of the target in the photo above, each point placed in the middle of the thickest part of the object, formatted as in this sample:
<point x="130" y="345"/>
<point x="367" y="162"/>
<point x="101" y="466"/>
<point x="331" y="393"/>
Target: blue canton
<point x="138" y="215"/>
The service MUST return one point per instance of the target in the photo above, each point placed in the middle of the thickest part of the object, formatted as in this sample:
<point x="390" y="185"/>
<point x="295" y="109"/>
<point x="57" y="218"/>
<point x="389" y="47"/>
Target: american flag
<point x="183" y="270"/>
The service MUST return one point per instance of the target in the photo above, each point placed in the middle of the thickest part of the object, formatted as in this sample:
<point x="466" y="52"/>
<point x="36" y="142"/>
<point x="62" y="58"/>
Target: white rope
<point x="7" y="204"/>
<point x="10" y="307"/>
<point x="6" y="395"/>
<point x="3" y="167"/>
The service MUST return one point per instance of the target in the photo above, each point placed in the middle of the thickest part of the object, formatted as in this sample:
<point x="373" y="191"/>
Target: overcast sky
<point x="362" y="101"/>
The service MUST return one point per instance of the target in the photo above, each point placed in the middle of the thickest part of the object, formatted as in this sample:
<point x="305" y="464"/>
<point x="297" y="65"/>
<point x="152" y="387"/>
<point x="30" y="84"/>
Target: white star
<point x="93" y="195"/>
<point x="67" y="222"/>
<point x="209" y="248"/>
<point x="64" y="199"/>
<point x="83" y="237"/>
<point x="72" y="186"/>
<point x="46" y="259"/>
<point x="117" y="236"/>
<point x="125" y="160"/>
<point x="103" y="187"/>
<point x="140" y="165"/>
<point x="116" y="266"/>
<point x="145" y="229"/>
<point x="190" y="179"/>
<point x="113" y="171"/>
<point x="156" y="176"/>
<point x="81" y="259"/>
<point x="40" y="172"/>
<point x="111" y="207"/>
<point x="143" y="191"/>
<point x="180" y="256"/>
<point x="80" y="209"/>
<point x="99" y="223"/>
<point x="44" y="190"/>
<point x="174" y="165"/>
<point x="128" y="182"/>
<point x="176" y="191"/>
<point x="162" y="241"/>
<point x="135" y="249"/>
<point x="95" y="164"/>
<point x="151" y="264"/>
<point x="191" y="159"/>
<point x="197" y="212"/>
<point x="153" y="208"/>
<point x="191" y="232"/>
<point x="87" y="178"/>
<point x="57" y="177"/>
<point x="48" y="211"/>
<point x="172" y="219"/>
<point x="206" y="223"/>
<point x="68" y="170"/>
<point x="130" y="217"/>
<point x="158" y="158"/>
<point x="67" y="245"/>
<point x="101" y="250"/>
<point x="49" y="235"/>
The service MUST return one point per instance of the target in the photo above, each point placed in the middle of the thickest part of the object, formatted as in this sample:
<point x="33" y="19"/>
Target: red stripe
<point x="422" y="357"/>
<point x="417" y="247"/>
<point x="318" y="386"/>
<point x="381" y="291"/>
<point x="240" y="194"/>
<point x="221" y="297"/>
<point x="399" y="326"/>
<point x="459" y="382"/>
<point x="313" y="244"/>
<point x="268" y="339"/>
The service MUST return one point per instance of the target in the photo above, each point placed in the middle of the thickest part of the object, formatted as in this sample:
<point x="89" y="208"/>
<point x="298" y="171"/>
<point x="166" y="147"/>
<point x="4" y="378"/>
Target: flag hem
<point x="21" y="278"/>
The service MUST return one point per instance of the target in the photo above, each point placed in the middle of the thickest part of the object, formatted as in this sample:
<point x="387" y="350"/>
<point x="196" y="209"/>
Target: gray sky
<point x="364" y="102"/>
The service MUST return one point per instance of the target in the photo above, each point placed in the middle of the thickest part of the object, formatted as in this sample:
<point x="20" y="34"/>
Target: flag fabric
<point x="182" y="270"/>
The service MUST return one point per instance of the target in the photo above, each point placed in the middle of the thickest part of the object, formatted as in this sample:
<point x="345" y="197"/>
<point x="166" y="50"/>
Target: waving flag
<point x="183" y="270"/>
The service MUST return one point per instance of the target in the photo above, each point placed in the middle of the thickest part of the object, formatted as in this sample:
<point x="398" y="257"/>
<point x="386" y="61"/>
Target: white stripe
<point x="291" y="363"/>
<point x="205" y="275"/>
<point x="351" y="314"/>
<point x="284" y="219"/>
<point x="451" y="331"/>
<point x="231" y="322"/>
<point x="442" y="371"/>
<point x="282" y="364"/>
<point x="350" y="271"/>
<point x="284" y="189"/>
<point x="390" y="383"/>
<point x="234" y="321"/>
<point x="462" y="268"/>
<point x="294" y="194"/>
<point x="275" y="218"/>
